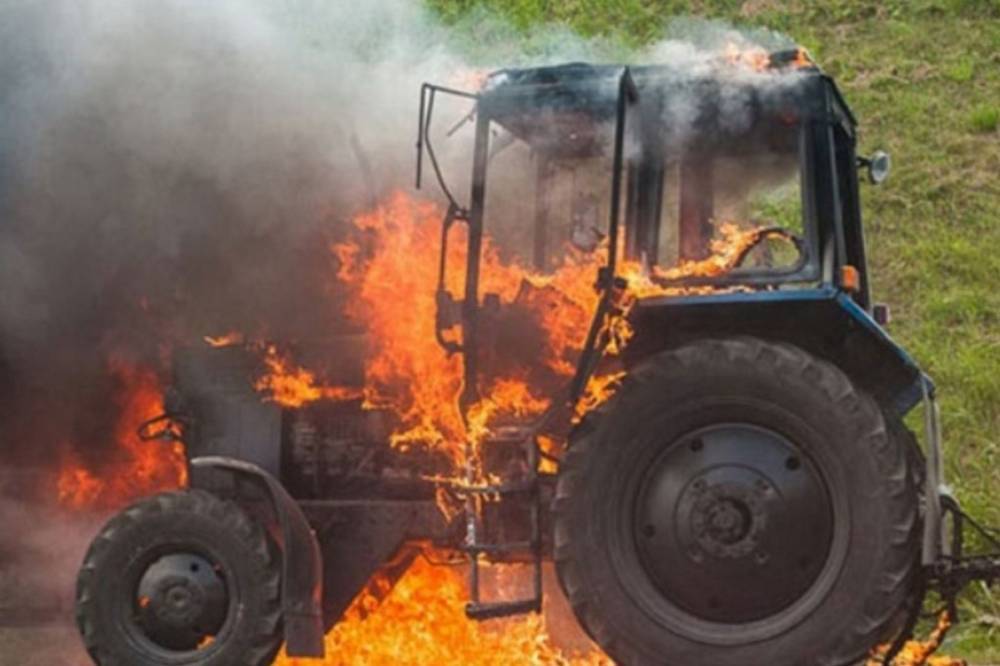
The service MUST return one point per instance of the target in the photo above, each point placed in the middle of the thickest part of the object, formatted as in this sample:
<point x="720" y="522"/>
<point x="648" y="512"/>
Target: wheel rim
<point x="733" y="523"/>
<point x="181" y="602"/>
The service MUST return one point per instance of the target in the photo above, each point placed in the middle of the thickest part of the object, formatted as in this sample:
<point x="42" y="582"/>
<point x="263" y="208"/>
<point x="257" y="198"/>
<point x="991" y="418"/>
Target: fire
<point x="506" y="396"/>
<point x="390" y="269"/>
<point x="137" y="468"/>
<point x="599" y="389"/>
<point x="229" y="339"/>
<point x="919" y="653"/>
<point x="407" y="369"/>
<point x="755" y="58"/>
<point x="293" y="386"/>
<point x="758" y="59"/>
<point x="803" y="59"/>
<point x="642" y="283"/>
<point x="471" y="79"/>
<point x="422" y="621"/>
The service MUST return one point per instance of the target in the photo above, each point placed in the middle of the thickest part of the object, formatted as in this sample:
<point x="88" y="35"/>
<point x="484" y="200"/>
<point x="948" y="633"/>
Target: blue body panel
<point x="824" y="321"/>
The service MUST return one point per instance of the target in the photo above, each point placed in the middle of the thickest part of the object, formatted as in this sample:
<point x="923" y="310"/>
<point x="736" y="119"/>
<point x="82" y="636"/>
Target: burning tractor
<point x="721" y="473"/>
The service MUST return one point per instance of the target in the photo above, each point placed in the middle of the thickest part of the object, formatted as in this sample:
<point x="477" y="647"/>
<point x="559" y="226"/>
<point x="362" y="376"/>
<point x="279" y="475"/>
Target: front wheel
<point x="737" y="502"/>
<point x="180" y="579"/>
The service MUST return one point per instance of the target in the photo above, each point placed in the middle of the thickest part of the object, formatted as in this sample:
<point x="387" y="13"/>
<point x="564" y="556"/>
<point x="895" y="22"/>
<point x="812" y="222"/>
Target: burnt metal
<point x="428" y="95"/>
<point x="607" y="282"/>
<point x="449" y="310"/>
<point x="526" y="486"/>
<point x="220" y="411"/>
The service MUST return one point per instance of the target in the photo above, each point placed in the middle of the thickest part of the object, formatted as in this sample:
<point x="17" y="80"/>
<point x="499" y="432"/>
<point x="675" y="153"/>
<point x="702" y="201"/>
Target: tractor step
<point x="494" y="610"/>
<point x="529" y="487"/>
<point x="501" y="548"/>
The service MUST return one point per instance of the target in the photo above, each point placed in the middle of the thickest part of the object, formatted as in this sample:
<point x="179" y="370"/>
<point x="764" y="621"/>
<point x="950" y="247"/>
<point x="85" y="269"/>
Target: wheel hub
<point x="733" y="523"/>
<point x="181" y="601"/>
<point x="727" y="519"/>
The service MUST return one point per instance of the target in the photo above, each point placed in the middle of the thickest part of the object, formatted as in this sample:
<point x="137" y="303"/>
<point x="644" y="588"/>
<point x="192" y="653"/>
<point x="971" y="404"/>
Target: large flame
<point x="135" y="468"/>
<point x="392" y="272"/>
<point x="422" y="622"/>
<point x="390" y="269"/>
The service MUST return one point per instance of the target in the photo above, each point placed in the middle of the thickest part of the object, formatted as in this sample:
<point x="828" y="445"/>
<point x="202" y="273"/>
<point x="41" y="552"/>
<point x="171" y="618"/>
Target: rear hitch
<point x="946" y="566"/>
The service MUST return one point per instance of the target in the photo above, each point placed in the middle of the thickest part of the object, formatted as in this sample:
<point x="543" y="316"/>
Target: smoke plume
<point x="175" y="169"/>
<point x="171" y="169"/>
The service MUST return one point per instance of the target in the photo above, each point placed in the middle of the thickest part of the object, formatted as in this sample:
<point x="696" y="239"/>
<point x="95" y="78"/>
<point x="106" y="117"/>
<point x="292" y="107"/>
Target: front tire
<point x="180" y="579"/>
<point x="737" y="502"/>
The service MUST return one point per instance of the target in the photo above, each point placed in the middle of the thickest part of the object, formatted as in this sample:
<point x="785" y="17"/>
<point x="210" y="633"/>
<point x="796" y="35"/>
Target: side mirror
<point x="879" y="165"/>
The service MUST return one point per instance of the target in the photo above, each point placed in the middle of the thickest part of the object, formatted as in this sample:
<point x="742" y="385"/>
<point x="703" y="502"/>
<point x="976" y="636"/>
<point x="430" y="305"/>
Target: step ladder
<point x="529" y="488"/>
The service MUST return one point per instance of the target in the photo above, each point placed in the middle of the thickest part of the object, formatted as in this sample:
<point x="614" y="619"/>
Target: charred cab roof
<point x="566" y="109"/>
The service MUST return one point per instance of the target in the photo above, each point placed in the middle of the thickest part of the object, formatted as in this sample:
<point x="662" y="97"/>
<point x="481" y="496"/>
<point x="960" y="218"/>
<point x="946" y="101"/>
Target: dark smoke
<point x="171" y="169"/>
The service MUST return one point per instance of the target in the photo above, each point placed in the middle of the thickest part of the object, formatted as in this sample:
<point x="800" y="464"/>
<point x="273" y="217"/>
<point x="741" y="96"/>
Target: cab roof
<point x="568" y="108"/>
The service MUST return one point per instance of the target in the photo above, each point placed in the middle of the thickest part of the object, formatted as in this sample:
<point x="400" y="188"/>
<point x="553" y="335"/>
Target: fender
<point x="824" y="321"/>
<point x="302" y="568"/>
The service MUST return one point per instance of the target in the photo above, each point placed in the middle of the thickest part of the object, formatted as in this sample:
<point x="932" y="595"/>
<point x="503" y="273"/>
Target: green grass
<point x="985" y="118"/>
<point x="923" y="77"/>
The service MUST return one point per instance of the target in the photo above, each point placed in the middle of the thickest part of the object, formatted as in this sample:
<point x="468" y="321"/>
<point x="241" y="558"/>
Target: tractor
<point x="749" y="494"/>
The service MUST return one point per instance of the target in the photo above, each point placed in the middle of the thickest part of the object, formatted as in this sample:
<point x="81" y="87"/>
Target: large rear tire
<point x="179" y="579"/>
<point x="737" y="502"/>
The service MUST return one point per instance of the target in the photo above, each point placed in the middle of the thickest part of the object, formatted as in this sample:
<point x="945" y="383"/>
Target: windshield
<point x="543" y="209"/>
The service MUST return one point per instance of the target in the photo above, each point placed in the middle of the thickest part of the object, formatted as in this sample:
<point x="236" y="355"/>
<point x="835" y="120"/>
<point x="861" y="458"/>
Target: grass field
<point x="923" y="77"/>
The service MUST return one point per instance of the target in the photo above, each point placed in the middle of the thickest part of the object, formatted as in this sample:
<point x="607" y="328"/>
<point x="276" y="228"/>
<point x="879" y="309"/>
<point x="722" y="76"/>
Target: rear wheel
<point x="737" y="502"/>
<point x="179" y="579"/>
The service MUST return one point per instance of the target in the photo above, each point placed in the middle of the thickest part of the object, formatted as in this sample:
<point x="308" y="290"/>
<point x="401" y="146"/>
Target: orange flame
<point x="758" y="59"/>
<point x="919" y="653"/>
<point x="752" y="57"/>
<point x="138" y="468"/>
<point x="407" y="370"/>
<point x="293" y="386"/>
<point x="803" y="59"/>
<point x="422" y="621"/>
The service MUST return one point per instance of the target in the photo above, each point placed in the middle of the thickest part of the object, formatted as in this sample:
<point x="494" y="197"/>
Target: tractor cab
<point x="661" y="169"/>
<point x="699" y="153"/>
